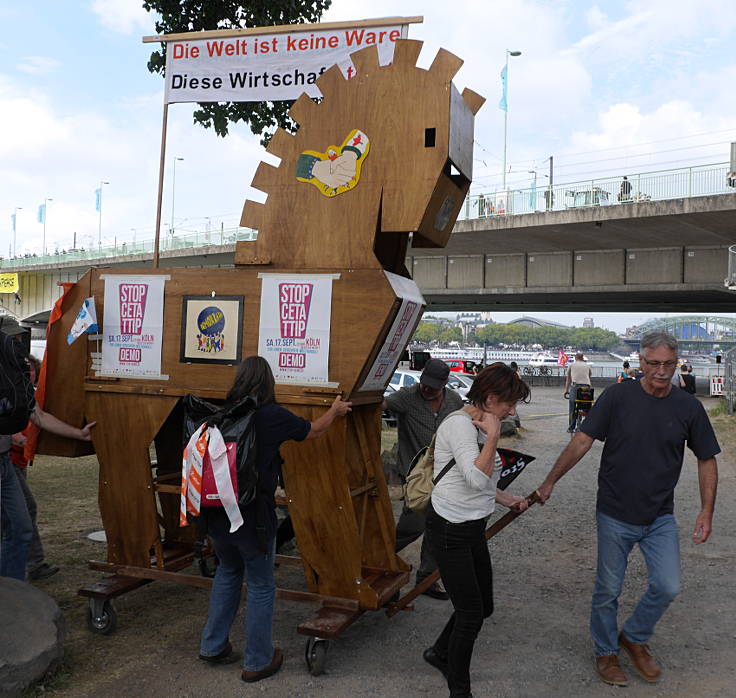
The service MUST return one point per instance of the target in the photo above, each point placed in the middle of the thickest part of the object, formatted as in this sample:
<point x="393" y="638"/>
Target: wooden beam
<point x="281" y="29"/>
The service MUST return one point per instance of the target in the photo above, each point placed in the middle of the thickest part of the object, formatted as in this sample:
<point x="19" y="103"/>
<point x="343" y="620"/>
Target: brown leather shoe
<point x="642" y="659"/>
<point x="270" y="670"/>
<point x="610" y="670"/>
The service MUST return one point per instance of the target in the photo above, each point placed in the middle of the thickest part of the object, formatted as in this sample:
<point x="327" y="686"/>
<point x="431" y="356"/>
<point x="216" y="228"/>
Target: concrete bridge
<point x="649" y="256"/>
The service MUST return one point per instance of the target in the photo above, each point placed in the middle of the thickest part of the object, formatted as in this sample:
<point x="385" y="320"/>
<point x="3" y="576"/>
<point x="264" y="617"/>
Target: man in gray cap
<point x="419" y="410"/>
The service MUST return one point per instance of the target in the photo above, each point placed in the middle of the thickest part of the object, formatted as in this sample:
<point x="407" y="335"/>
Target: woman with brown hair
<point x="244" y="552"/>
<point x="461" y="503"/>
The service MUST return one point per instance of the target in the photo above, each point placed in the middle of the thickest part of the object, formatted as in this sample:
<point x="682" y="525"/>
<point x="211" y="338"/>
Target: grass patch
<point x="721" y="408"/>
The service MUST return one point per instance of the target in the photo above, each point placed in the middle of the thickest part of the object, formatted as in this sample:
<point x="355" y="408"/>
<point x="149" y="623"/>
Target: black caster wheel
<point x="102" y="618"/>
<point x="315" y="655"/>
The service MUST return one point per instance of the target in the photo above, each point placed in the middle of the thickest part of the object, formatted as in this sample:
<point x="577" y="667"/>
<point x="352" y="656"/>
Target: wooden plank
<point x="167" y="489"/>
<point x="329" y="622"/>
<point x="280" y="29"/>
<point x="151" y="573"/>
<point x="127" y="425"/>
<point x="112" y="587"/>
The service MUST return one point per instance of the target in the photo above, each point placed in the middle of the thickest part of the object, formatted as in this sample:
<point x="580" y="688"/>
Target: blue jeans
<point x="571" y="403"/>
<point x="659" y="543"/>
<point x="16" y="529"/>
<point x="225" y="599"/>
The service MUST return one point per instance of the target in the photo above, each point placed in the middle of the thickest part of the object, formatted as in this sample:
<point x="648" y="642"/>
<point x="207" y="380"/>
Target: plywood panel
<point x="126" y="426"/>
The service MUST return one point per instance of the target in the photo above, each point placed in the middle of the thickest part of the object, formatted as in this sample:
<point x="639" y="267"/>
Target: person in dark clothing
<point x="15" y="520"/>
<point x="687" y="380"/>
<point x="241" y="552"/>
<point x="644" y="426"/>
<point x="419" y="410"/>
<point x="624" y="192"/>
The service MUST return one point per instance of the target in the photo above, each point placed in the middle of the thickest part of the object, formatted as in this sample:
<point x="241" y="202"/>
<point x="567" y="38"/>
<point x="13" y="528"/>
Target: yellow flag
<point x="9" y="283"/>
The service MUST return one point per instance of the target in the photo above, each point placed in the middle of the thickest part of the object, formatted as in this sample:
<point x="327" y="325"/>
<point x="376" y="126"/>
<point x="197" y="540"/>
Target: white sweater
<point x="465" y="493"/>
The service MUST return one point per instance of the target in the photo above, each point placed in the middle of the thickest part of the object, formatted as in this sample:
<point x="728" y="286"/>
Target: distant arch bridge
<point x="690" y="330"/>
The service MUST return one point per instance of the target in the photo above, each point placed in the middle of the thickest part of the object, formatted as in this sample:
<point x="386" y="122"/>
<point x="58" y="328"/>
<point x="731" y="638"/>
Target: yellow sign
<point x="9" y="283"/>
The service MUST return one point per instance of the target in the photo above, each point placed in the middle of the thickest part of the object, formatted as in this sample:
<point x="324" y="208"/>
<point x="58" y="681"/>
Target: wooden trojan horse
<point x="385" y="155"/>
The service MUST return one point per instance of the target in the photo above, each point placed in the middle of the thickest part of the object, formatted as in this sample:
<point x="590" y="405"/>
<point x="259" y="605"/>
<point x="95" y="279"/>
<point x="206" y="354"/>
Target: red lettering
<point x="129" y="355"/>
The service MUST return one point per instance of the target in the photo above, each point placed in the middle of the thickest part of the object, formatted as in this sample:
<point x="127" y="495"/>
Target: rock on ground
<point x="32" y="636"/>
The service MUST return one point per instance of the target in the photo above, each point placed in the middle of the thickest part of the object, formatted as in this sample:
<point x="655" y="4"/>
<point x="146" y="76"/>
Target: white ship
<point x="543" y="359"/>
<point x="477" y="354"/>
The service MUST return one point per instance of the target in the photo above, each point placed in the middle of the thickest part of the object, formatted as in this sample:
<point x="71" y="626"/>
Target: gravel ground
<point x="536" y="644"/>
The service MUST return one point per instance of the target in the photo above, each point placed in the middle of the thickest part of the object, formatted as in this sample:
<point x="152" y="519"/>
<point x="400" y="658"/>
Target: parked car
<point x="461" y="365"/>
<point x="460" y="383"/>
<point x="388" y="419"/>
<point x="402" y="379"/>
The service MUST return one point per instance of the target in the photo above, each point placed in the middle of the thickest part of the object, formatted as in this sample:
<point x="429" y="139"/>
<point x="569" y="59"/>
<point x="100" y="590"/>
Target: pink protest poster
<point x="294" y="327"/>
<point x="132" y="328"/>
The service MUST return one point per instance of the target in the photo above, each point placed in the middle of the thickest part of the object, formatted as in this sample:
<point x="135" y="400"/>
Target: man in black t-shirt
<point x="644" y="426"/>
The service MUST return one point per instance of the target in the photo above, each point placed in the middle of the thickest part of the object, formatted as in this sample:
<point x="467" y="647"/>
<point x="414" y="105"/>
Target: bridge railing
<point x="169" y="242"/>
<point x="659" y="185"/>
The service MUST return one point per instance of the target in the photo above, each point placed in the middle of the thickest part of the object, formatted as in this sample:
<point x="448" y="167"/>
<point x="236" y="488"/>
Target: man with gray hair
<point x="644" y="425"/>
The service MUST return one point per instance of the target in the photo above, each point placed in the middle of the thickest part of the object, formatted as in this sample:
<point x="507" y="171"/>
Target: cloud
<point x="38" y="65"/>
<point x="123" y="16"/>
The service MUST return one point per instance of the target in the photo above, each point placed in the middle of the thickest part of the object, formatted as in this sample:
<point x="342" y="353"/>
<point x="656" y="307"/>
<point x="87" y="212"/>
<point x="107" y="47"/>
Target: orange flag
<point x="29" y="450"/>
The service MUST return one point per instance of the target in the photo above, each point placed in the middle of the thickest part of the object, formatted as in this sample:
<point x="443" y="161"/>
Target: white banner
<point x="294" y="327"/>
<point x="402" y="328"/>
<point x="267" y="67"/>
<point x="133" y="325"/>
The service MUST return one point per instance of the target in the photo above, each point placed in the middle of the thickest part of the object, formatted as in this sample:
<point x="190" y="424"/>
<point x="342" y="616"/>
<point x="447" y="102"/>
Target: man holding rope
<point x="644" y="425"/>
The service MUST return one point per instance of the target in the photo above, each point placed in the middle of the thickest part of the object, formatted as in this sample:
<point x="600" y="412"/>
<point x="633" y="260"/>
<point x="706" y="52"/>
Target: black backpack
<point x="16" y="390"/>
<point x="236" y="422"/>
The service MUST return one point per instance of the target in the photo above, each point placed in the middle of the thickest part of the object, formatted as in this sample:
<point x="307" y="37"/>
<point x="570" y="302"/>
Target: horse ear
<point x="473" y="100"/>
<point x="445" y="65"/>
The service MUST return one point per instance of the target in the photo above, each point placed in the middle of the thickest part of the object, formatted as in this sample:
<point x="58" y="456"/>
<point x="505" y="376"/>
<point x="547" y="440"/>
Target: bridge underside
<point x="659" y="298"/>
<point x="663" y="256"/>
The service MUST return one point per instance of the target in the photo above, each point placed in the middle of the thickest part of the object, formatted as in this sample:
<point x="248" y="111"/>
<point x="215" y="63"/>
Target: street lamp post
<point x="506" y="112"/>
<point x="173" y="195"/>
<point x="15" y="225"/>
<point x="99" y="220"/>
<point x="45" y="215"/>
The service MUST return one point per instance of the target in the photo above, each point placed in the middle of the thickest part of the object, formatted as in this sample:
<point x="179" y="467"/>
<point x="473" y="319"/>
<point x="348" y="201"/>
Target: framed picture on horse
<point x="211" y="329"/>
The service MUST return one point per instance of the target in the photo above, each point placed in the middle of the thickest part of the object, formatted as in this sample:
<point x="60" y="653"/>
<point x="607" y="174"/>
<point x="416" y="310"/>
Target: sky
<point x="608" y="89"/>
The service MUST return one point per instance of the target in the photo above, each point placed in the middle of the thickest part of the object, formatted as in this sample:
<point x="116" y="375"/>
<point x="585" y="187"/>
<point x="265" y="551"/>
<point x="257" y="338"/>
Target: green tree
<point x="451" y="334"/>
<point x="427" y="332"/>
<point x="200" y="15"/>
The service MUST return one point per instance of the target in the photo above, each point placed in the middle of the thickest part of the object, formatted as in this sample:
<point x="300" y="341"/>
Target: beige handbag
<point x="419" y="481"/>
